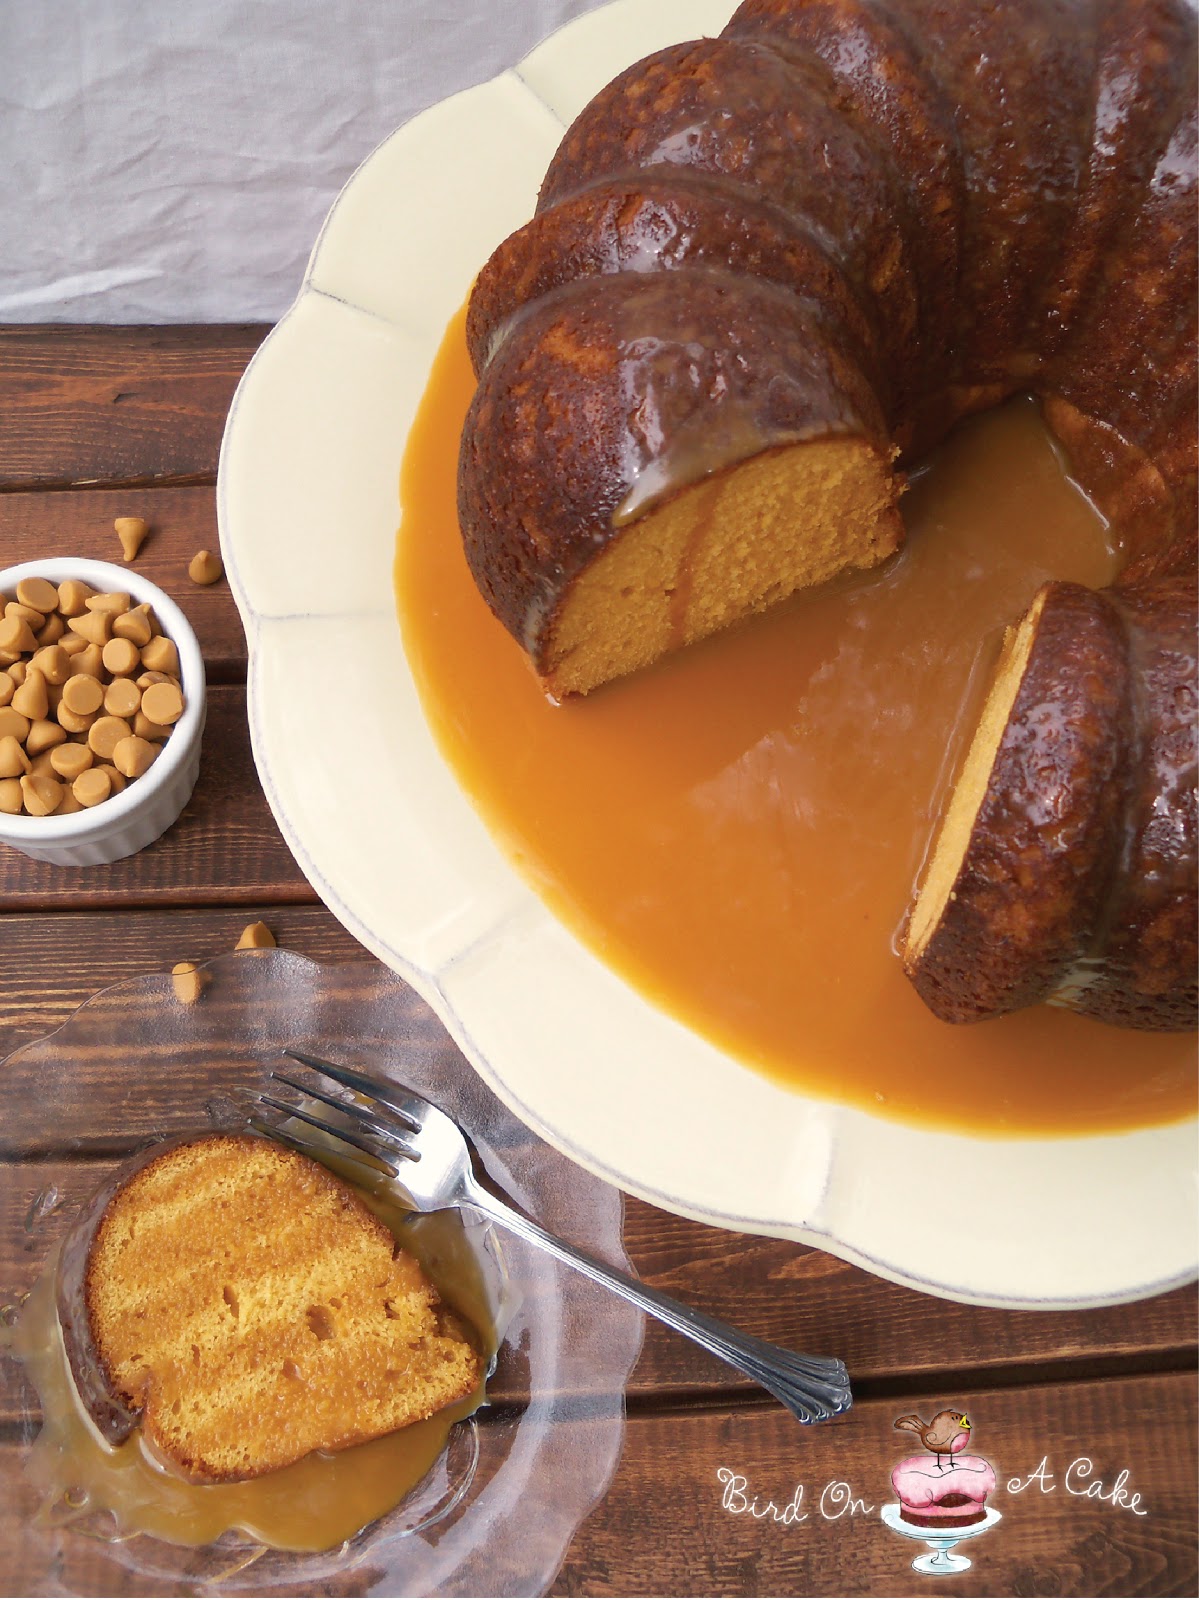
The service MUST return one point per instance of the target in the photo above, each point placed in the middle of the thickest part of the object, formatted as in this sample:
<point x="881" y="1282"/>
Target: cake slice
<point x="1014" y="891"/>
<point x="246" y="1308"/>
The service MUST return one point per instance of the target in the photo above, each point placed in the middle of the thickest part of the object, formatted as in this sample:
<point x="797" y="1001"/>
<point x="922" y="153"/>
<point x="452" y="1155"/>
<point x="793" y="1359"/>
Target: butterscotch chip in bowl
<point x="162" y="703"/>
<point x="92" y="786"/>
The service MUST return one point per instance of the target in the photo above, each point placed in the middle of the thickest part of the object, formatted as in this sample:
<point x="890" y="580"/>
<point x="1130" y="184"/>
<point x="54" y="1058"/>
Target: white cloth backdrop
<point x="172" y="160"/>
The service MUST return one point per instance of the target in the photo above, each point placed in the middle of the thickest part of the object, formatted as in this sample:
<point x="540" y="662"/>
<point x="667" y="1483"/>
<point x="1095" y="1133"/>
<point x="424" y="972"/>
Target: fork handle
<point x="813" y="1388"/>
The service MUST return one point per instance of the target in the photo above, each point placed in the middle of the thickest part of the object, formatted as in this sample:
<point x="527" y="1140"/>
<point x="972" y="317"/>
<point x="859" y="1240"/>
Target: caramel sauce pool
<point x="738" y="830"/>
<point x="314" y="1504"/>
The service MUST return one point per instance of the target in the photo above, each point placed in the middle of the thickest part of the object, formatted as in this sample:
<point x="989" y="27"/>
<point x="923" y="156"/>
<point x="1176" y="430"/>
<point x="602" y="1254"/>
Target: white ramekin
<point x="147" y="806"/>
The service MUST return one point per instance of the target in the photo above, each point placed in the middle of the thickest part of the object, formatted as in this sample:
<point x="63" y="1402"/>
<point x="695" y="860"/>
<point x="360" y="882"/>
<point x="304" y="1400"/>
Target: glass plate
<point x="136" y="1065"/>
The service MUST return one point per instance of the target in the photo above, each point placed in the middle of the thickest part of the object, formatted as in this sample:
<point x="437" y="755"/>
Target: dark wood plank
<point x="663" y="1527"/>
<point x="663" y="1530"/>
<point x="92" y="405"/>
<point x="182" y="521"/>
<point x="224" y="850"/>
<point x="49" y="964"/>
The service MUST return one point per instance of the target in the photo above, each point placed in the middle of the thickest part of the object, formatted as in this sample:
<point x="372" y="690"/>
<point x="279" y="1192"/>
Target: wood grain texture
<point x="182" y="521"/>
<point x="91" y="405"/>
<point x="224" y="850"/>
<point x="662" y="1528"/>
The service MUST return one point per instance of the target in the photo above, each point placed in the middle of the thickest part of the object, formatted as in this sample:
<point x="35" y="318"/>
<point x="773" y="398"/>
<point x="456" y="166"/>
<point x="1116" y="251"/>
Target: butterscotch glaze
<point x="739" y="829"/>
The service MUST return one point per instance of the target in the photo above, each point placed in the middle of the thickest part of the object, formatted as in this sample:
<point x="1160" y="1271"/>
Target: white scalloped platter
<point x="308" y="511"/>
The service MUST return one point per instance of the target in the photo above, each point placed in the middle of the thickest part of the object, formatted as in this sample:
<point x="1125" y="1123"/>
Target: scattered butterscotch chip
<point x="109" y="603"/>
<point x="160" y="655"/>
<point x="69" y="760"/>
<point x="131" y="531"/>
<point x="44" y="735"/>
<point x="73" y="597"/>
<point x="31" y="699"/>
<point x="121" y="657"/>
<point x="11" y="798"/>
<point x="82" y="694"/>
<point x="136" y="625"/>
<point x="39" y="593"/>
<point x="15" y="637"/>
<point x="122" y="698"/>
<point x="14" y="763"/>
<point x="204" y="567"/>
<point x="12" y="722"/>
<point x="256" y="936"/>
<point x="41" y="794"/>
<point x="94" y="626"/>
<point x="162" y="703"/>
<point x="105" y="734"/>
<point x="188" y="981"/>
<point x="133" y="756"/>
<point x="92" y="786"/>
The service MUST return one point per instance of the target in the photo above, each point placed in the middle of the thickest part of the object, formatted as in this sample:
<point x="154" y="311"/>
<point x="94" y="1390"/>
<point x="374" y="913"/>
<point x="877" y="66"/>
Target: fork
<point x="427" y="1165"/>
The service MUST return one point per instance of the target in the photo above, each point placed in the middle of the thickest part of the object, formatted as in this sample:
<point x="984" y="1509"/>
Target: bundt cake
<point x="769" y="269"/>
<point x="245" y="1308"/>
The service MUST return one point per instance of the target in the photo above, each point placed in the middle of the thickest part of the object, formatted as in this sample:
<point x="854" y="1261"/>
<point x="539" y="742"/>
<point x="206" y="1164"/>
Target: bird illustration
<point x="945" y="1435"/>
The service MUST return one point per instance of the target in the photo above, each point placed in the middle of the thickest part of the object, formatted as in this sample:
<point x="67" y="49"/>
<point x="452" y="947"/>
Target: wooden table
<point x="100" y="423"/>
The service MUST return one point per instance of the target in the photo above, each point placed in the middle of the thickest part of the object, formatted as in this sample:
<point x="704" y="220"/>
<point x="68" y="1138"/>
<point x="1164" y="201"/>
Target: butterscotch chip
<point x="137" y="625"/>
<point x="44" y="735"/>
<point x="30" y="699"/>
<point x="41" y="766"/>
<point x="52" y="630"/>
<point x="15" y="636"/>
<point x="145" y="679"/>
<point x="92" y="787"/>
<point x="12" y="722"/>
<point x="204" y="567"/>
<point x="53" y="663"/>
<point x="256" y="936"/>
<point x="133" y="756"/>
<point x="13" y="609"/>
<point x="69" y="760"/>
<point x="94" y="626"/>
<point x="72" y="644"/>
<point x="14" y="763"/>
<point x="39" y="593"/>
<point x="188" y="981"/>
<point x="131" y="531"/>
<point x="68" y="803"/>
<point x="156" y="732"/>
<point x="82" y="694"/>
<point x="89" y="662"/>
<point x="41" y="793"/>
<point x="110" y="602"/>
<point x="122" y="698"/>
<point x="160" y="655"/>
<point x="11" y="798"/>
<point x="121" y="657"/>
<point x="105" y="734"/>
<point x="73" y="597"/>
<point x="116" y="781"/>
<point x="73" y="721"/>
<point x="162" y="703"/>
<point x="16" y="672"/>
<point x="7" y="689"/>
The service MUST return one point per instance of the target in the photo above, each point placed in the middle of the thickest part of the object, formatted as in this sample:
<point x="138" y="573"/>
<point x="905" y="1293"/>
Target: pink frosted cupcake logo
<point x="942" y="1494"/>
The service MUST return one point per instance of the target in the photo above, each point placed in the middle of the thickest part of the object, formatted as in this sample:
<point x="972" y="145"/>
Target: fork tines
<point x="377" y="1130"/>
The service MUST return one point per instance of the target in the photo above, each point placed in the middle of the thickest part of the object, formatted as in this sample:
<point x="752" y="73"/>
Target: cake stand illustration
<point x="943" y="1493"/>
<point x="941" y="1560"/>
